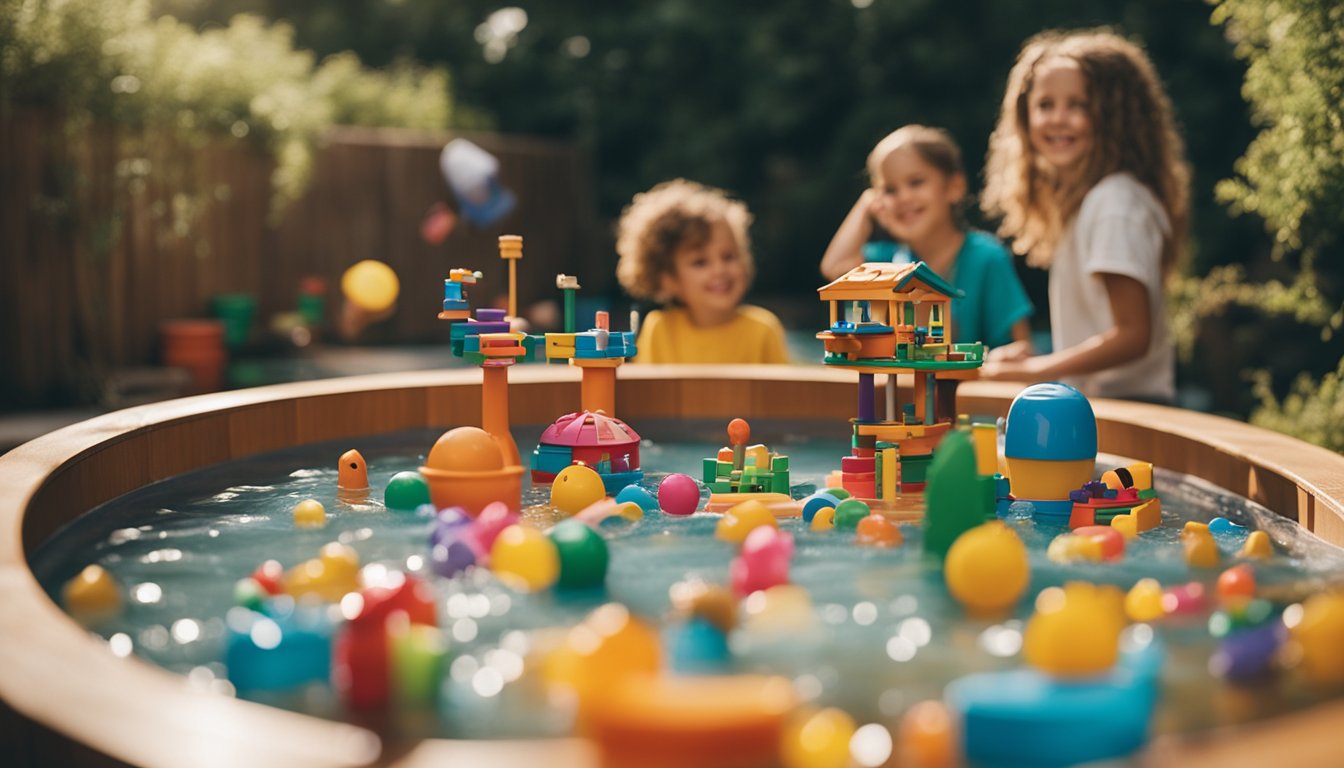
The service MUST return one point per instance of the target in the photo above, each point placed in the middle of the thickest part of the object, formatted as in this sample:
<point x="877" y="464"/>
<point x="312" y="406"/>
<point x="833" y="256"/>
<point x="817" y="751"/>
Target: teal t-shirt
<point x="993" y="298"/>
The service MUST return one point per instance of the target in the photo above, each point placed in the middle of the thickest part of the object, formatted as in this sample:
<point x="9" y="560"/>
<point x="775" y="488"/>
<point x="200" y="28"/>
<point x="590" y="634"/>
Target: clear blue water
<point x="883" y="634"/>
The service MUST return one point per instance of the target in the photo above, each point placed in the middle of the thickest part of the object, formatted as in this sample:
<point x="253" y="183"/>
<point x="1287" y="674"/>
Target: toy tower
<point x="592" y="435"/>
<point x="487" y="340"/>
<point x="893" y="319"/>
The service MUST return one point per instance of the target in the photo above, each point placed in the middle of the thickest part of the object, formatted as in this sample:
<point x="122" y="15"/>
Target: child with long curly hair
<point x="685" y="245"/>
<point x="1088" y="172"/>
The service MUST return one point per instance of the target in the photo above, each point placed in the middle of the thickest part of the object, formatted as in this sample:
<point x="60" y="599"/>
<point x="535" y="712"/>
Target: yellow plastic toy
<point x="92" y="596"/>
<point x="1317" y="635"/>
<point x="824" y="520"/>
<point x="370" y="285"/>
<point x="609" y="646"/>
<point x="987" y="568"/>
<point x="1069" y="548"/>
<point x="330" y="576"/>
<point x="817" y="739"/>
<point x="309" y="513"/>
<point x="1257" y="546"/>
<point x="742" y="519"/>
<point x="525" y="558"/>
<point x="575" y="488"/>
<point x="780" y="609"/>
<point x="1143" y="602"/>
<point x="1075" y="631"/>
<point x="1200" y="549"/>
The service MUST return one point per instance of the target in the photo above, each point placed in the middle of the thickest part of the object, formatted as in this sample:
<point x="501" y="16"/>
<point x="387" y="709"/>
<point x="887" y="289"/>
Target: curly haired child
<point x="1088" y="172"/>
<point x="685" y="245"/>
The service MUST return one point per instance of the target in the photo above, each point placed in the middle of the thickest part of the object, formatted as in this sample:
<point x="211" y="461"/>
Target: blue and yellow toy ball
<point x="639" y="495"/>
<point x="575" y="488"/>
<point x="1050" y="441"/>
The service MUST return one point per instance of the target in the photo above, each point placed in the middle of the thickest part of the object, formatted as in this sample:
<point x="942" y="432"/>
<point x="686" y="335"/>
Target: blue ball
<point x="639" y="495"/>
<point x="815" y="503"/>
<point x="1223" y="525"/>
<point x="300" y="651"/>
<point x="698" y="647"/>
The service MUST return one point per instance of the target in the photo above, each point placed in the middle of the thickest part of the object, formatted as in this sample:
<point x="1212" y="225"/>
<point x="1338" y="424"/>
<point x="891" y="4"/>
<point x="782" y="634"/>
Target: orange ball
<point x="1236" y="584"/>
<point x="876" y="530"/>
<point x="466" y="449"/>
<point x="927" y="737"/>
<point x="739" y="432"/>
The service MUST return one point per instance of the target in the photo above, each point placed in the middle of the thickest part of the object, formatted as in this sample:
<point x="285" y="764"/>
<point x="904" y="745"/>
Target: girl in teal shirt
<point x="918" y="186"/>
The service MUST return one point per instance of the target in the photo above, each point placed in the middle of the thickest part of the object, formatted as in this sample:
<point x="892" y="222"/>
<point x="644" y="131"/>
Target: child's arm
<point x="846" y="249"/>
<point x="1020" y="348"/>
<point x="1125" y="341"/>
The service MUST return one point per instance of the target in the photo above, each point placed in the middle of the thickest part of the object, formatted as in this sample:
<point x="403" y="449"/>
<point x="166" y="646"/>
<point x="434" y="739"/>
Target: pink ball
<point x="494" y="518"/>
<point x="764" y="561"/>
<point x="679" y="494"/>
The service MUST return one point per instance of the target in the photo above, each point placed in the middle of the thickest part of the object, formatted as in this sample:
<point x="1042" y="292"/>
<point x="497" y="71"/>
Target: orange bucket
<point x="196" y="346"/>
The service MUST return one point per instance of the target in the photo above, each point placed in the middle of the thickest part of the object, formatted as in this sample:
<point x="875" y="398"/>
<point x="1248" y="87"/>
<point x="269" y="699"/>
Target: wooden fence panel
<point x="105" y="234"/>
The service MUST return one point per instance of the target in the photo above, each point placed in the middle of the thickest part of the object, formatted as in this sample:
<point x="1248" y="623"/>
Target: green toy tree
<point x="957" y="497"/>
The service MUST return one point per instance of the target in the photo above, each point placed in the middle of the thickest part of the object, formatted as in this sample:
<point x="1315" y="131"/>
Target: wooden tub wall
<point x="67" y="694"/>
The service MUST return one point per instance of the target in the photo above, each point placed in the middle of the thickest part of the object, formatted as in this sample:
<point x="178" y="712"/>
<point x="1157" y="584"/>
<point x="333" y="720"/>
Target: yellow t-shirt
<point x="754" y="336"/>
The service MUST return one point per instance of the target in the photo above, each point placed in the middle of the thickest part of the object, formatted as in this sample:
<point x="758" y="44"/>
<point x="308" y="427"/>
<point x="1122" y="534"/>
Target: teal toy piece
<point x="1050" y="422"/>
<point x="1024" y="717"/>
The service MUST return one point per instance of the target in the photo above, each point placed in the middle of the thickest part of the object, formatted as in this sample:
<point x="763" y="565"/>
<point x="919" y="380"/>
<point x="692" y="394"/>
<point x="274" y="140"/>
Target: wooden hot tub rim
<point x="67" y="680"/>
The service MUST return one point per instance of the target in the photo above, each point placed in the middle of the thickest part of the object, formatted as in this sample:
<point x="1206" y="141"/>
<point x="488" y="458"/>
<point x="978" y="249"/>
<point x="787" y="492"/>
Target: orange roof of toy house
<point x="879" y="280"/>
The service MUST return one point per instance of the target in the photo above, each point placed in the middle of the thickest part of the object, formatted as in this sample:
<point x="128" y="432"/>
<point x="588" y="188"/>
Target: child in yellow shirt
<point x="685" y="245"/>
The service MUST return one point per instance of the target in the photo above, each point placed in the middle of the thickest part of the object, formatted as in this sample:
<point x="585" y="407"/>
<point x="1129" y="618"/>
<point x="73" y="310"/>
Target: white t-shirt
<point x="1119" y="230"/>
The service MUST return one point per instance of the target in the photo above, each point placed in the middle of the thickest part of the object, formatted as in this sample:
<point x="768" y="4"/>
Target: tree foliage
<point x="1292" y="177"/>
<point x="119" y="62"/>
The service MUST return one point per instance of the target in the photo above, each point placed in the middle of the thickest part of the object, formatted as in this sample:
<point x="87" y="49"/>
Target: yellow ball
<point x="1143" y="602"/>
<point x="817" y="740"/>
<point x="92" y="596"/>
<point x="781" y="609"/>
<point x="525" y="558"/>
<point x="309" y="513"/>
<point x="1317" y="633"/>
<point x="987" y="568"/>
<point x="370" y="285"/>
<point x="608" y="647"/>
<point x="1075" y="631"/>
<point x="742" y="519"/>
<point x="575" y="488"/>
<point x="340" y="561"/>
